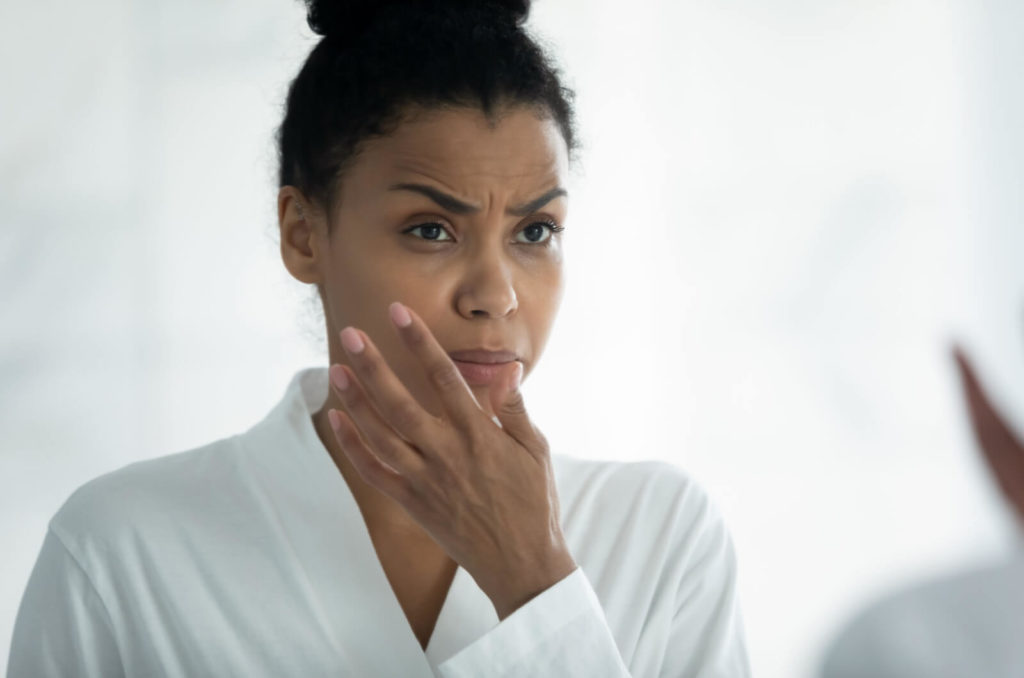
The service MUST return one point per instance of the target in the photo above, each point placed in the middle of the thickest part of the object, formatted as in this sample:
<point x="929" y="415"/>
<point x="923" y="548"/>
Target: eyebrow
<point x="453" y="204"/>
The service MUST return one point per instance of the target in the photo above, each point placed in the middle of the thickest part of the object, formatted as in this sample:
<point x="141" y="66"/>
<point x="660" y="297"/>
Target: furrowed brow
<point x="534" y="205"/>
<point x="456" y="206"/>
<point x="448" y="202"/>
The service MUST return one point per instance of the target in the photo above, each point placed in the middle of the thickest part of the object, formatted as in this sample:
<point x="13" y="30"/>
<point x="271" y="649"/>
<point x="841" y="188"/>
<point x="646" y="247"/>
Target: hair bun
<point x="349" y="18"/>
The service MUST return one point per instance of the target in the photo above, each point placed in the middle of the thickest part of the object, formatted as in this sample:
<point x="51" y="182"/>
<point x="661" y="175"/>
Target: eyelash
<point x="551" y="225"/>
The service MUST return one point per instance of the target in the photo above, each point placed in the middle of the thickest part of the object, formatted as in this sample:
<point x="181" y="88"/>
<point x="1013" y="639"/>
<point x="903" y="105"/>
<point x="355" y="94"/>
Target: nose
<point x="488" y="290"/>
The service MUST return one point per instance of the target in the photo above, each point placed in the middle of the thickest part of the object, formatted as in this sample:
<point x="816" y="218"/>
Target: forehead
<point x="463" y="146"/>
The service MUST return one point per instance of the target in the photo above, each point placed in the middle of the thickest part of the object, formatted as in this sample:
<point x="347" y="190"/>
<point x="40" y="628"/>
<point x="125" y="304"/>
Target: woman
<point x="399" y="514"/>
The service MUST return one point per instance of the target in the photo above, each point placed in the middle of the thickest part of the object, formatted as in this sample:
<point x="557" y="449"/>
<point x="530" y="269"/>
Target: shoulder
<point x="145" y="497"/>
<point x="651" y="501"/>
<point x="655" y="547"/>
<point x="653" y="486"/>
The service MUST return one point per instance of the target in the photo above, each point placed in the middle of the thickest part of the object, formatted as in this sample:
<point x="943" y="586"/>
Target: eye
<point x="432" y="231"/>
<point x="550" y="225"/>
<point x="431" y="227"/>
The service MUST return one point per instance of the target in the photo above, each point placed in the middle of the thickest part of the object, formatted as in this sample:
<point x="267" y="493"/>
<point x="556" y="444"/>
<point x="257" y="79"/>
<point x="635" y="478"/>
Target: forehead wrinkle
<point x="511" y="183"/>
<point x="433" y="178"/>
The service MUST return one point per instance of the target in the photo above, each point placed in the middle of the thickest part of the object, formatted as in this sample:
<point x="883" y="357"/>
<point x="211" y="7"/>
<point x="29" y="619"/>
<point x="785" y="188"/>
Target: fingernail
<point x="332" y="416"/>
<point x="399" y="315"/>
<point x="351" y="340"/>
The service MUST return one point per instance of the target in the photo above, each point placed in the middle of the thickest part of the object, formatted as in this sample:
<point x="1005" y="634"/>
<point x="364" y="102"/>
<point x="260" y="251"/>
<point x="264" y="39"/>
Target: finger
<point x="990" y="427"/>
<point x="382" y="439"/>
<point x="367" y="464"/>
<point x="453" y="392"/>
<point x="386" y="392"/>
<point x="1003" y="451"/>
<point x="510" y="408"/>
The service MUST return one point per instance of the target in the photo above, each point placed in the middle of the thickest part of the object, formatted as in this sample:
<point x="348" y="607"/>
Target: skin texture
<point x="486" y="279"/>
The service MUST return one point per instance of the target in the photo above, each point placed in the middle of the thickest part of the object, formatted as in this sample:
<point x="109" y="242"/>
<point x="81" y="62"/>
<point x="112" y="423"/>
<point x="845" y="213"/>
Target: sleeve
<point x="562" y="632"/>
<point x="63" y="627"/>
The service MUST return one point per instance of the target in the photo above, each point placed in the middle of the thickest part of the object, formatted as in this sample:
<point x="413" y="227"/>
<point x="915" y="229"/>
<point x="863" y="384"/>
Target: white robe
<point x="248" y="556"/>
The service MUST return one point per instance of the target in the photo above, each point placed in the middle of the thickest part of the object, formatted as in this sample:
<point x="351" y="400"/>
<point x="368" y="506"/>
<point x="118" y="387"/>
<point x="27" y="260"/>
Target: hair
<point x="379" y="61"/>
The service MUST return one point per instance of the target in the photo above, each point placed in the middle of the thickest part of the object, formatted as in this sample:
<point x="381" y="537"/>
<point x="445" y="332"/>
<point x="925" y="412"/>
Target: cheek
<point x="373" y="283"/>
<point x="543" y="287"/>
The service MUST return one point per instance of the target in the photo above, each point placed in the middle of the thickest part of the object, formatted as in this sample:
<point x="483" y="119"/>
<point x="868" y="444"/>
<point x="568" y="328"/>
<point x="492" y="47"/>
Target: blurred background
<point x="784" y="214"/>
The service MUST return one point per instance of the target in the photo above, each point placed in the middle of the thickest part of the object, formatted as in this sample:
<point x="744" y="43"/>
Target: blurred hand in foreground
<point x="1002" y="447"/>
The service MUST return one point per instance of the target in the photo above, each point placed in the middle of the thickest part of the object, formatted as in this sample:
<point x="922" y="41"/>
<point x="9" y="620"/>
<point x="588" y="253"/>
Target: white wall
<point x="785" y="212"/>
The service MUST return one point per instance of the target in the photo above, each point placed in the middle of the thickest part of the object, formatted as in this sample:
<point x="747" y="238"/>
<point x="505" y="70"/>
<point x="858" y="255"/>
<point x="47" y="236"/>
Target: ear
<point x="1001" y="447"/>
<point x="299" y="247"/>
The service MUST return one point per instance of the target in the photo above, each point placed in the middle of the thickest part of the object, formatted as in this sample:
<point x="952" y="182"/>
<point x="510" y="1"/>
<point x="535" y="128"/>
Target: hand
<point x="485" y="493"/>
<point x="1003" y="450"/>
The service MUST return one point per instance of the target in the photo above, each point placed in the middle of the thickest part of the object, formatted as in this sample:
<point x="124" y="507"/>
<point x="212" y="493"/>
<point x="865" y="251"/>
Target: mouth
<point x="480" y="374"/>
<point x="483" y="356"/>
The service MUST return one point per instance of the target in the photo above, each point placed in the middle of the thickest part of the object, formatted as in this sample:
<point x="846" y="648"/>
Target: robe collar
<point x="319" y="517"/>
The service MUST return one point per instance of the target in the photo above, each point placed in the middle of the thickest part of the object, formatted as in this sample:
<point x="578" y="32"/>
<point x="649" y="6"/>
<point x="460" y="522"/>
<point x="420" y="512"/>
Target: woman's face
<point x="446" y="215"/>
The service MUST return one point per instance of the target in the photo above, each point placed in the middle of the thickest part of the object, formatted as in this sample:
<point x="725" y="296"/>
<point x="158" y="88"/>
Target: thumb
<point x="508" y="405"/>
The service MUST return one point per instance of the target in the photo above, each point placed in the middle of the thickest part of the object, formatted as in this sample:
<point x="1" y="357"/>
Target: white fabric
<point x="249" y="557"/>
<point x="963" y="625"/>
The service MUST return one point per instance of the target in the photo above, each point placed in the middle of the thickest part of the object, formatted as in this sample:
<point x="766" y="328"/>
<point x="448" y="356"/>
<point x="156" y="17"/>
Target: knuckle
<point x="365" y="467"/>
<point x="355" y="408"/>
<point x="350" y="438"/>
<point x="480" y="440"/>
<point x="444" y="374"/>
<point x="442" y="479"/>
<point x="376" y="474"/>
<point x="516" y="406"/>
<point x="369" y="369"/>
<point x="407" y="416"/>
<point x="416" y="338"/>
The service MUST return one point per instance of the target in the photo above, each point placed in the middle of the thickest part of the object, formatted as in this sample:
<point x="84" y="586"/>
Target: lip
<point x="479" y="374"/>
<point x="480" y="355"/>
